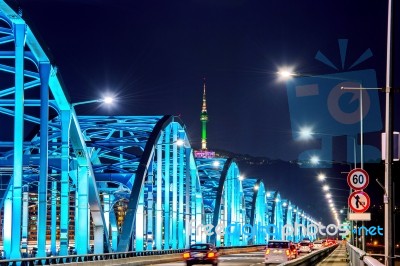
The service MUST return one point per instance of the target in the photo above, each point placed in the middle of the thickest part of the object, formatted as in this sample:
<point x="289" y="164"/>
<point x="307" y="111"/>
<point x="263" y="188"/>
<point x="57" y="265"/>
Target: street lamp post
<point x="388" y="201"/>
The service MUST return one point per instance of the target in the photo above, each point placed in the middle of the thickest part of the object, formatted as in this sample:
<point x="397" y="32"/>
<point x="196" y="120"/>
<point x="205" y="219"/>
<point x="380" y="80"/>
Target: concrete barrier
<point x="312" y="258"/>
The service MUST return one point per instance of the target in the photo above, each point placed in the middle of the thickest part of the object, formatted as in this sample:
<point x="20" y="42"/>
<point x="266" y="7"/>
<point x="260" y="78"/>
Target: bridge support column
<point x="188" y="200"/>
<point x="54" y="193"/>
<point x="107" y="213"/>
<point x="64" y="205"/>
<point x="98" y="232"/>
<point x="7" y="226"/>
<point x="174" y="231"/>
<point x="167" y="222"/>
<point x="25" y="214"/>
<point x="181" y="219"/>
<point x="44" y="72"/>
<point x="200" y="237"/>
<point x="82" y="217"/>
<point x="150" y="203"/>
<point x="19" y="40"/>
<point x="114" y="230"/>
<point x="158" y="229"/>
<point x="139" y="222"/>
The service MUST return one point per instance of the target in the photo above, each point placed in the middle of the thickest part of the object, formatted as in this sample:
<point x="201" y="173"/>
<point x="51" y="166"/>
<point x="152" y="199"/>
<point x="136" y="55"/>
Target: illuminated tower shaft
<point x="204" y="119"/>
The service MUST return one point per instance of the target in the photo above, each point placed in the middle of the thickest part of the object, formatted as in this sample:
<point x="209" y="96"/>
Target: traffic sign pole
<point x="359" y="201"/>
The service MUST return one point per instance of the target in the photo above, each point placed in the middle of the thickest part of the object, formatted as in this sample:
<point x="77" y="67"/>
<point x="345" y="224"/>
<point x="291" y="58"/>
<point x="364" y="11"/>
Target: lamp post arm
<point x="86" y="102"/>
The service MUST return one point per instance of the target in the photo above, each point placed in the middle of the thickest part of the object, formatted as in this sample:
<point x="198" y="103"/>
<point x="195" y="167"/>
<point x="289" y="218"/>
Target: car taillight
<point x="186" y="255"/>
<point x="267" y="252"/>
<point x="210" y="255"/>
<point x="287" y="252"/>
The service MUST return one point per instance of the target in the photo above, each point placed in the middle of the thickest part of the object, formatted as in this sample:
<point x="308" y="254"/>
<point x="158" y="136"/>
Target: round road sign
<point x="359" y="201"/>
<point x="358" y="179"/>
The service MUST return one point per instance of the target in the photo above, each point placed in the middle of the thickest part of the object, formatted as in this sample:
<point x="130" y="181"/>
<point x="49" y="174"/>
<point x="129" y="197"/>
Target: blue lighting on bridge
<point x="117" y="183"/>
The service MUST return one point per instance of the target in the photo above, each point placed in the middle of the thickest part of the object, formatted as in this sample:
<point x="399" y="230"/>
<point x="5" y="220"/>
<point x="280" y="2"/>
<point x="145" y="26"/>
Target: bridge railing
<point x="358" y="257"/>
<point x="87" y="257"/>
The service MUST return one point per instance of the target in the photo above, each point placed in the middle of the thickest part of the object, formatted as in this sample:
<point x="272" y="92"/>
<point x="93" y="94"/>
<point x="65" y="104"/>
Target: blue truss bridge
<point x="103" y="184"/>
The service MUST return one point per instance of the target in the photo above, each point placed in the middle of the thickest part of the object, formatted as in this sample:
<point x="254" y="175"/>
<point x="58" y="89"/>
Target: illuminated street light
<point x="314" y="159"/>
<point x="108" y="100"/>
<point x="305" y="133"/>
<point x="180" y="142"/>
<point x="325" y="188"/>
<point x="286" y="73"/>
<point x="216" y="163"/>
<point x="321" y="177"/>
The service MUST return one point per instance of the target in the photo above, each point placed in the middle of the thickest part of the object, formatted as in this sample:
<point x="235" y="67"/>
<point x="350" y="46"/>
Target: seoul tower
<point x="204" y="119"/>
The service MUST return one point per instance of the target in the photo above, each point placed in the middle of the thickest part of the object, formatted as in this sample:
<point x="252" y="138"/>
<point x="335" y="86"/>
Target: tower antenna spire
<point x="204" y="118"/>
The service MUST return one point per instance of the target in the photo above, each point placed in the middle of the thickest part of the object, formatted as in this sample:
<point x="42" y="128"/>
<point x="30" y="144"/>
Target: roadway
<point x="241" y="259"/>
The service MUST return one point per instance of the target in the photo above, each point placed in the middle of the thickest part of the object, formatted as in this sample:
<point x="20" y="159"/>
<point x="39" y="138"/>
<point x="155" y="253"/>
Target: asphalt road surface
<point x="242" y="259"/>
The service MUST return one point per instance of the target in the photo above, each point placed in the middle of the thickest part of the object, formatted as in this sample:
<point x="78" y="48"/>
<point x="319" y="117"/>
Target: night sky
<point x="153" y="56"/>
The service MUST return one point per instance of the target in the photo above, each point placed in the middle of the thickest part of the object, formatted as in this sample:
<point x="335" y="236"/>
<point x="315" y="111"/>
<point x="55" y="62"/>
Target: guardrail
<point x="132" y="257"/>
<point x="312" y="258"/>
<point x="358" y="257"/>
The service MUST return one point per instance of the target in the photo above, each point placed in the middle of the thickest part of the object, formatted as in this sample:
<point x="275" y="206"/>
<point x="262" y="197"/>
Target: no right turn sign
<point x="359" y="201"/>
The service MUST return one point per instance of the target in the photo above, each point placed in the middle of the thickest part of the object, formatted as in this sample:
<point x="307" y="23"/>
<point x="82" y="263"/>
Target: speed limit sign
<point x="358" y="179"/>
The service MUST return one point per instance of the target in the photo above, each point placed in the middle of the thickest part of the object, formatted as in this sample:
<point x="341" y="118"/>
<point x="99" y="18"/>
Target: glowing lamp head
<point x="108" y="100"/>
<point x="180" y="142"/>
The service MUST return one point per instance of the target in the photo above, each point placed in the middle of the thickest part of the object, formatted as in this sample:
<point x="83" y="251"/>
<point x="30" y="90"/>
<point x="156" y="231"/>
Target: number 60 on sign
<point x="358" y="179"/>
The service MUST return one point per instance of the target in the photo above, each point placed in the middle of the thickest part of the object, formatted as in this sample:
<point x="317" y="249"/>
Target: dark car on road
<point x="201" y="254"/>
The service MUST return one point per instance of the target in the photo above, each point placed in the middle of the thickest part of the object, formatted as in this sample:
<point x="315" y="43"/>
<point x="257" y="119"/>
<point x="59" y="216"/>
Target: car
<point x="279" y="251"/>
<point x="201" y="253"/>
<point x="294" y="251"/>
<point x="331" y="242"/>
<point x="318" y="244"/>
<point x="305" y="246"/>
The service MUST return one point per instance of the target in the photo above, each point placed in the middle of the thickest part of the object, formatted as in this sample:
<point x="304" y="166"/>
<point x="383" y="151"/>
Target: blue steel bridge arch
<point x="259" y="213"/>
<point x="275" y="213"/>
<point x="224" y="200"/>
<point x="288" y="220"/>
<point x="143" y="154"/>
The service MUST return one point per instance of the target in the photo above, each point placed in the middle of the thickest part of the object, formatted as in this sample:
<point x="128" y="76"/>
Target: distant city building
<point x="204" y="152"/>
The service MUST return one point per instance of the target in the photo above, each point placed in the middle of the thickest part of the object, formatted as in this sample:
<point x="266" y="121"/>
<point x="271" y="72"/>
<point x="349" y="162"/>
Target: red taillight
<point x="210" y="255"/>
<point x="186" y="255"/>
<point x="287" y="252"/>
<point x="267" y="252"/>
